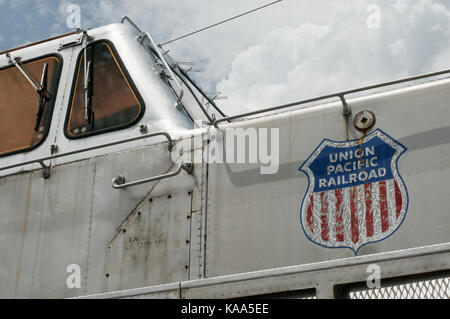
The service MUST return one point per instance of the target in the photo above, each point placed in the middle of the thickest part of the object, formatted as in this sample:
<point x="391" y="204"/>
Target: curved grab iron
<point x="119" y="181"/>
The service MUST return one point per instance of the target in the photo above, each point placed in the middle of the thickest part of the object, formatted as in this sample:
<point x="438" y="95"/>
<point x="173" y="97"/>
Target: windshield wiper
<point x="42" y="96"/>
<point x="88" y="87"/>
<point x="41" y="90"/>
<point x="16" y="62"/>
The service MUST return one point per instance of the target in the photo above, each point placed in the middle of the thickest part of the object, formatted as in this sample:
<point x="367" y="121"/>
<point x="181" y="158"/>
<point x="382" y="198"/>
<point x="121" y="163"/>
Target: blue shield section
<point x="337" y="167"/>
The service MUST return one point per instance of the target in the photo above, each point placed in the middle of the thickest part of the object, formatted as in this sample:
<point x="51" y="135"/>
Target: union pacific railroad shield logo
<point x="355" y="195"/>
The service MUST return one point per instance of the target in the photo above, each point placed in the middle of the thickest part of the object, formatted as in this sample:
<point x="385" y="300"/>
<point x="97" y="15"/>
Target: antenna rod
<point x="216" y="24"/>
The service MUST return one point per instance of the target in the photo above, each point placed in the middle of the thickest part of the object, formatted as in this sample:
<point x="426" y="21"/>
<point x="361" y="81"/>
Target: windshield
<point x="20" y="105"/>
<point x="112" y="102"/>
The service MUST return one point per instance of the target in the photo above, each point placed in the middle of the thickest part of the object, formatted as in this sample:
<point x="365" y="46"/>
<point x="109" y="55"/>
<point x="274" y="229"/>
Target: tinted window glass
<point x="114" y="103"/>
<point x="19" y="128"/>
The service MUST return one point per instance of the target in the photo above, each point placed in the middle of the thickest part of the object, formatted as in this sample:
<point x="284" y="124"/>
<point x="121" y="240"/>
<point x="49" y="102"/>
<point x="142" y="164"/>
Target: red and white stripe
<point x="356" y="214"/>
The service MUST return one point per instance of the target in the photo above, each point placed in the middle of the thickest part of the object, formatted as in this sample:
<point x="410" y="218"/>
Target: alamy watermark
<point x="374" y="278"/>
<point x="73" y="280"/>
<point x="234" y="145"/>
<point x="73" y="20"/>
<point x="374" y="19"/>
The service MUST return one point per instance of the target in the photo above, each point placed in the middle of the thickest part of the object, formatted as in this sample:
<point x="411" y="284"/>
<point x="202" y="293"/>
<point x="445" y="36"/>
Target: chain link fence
<point x="297" y="294"/>
<point x="428" y="286"/>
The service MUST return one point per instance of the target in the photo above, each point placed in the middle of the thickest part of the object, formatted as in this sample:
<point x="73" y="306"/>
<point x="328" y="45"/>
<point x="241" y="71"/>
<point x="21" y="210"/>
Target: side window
<point x="107" y="100"/>
<point x="25" y="114"/>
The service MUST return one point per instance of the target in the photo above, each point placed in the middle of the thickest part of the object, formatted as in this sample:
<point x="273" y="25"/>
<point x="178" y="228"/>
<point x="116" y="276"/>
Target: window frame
<point x="50" y="105"/>
<point x="129" y="81"/>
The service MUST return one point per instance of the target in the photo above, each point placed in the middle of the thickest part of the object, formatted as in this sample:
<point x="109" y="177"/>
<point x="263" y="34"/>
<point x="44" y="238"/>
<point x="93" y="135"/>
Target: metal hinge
<point x="81" y="34"/>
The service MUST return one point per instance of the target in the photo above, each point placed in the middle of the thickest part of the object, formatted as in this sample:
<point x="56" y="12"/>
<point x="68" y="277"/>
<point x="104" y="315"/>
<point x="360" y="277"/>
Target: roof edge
<point x="39" y="42"/>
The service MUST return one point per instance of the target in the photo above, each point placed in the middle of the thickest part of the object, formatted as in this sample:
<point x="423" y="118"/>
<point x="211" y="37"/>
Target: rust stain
<point x="128" y="219"/>
<point x="347" y="126"/>
<point x="38" y="242"/>
<point x="86" y="271"/>
<point x="360" y="142"/>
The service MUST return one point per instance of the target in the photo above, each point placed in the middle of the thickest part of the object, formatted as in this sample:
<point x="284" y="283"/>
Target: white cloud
<point x="294" y="49"/>
<point x="215" y="49"/>
<point x="308" y="60"/>
<point x="289" y="51"/>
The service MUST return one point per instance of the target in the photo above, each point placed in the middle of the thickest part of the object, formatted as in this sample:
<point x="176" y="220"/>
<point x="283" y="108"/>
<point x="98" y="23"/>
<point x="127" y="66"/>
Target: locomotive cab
<point x="87" y="88"/>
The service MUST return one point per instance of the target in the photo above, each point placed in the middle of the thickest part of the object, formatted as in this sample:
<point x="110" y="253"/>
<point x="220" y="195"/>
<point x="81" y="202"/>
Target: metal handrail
<point x="46" y="169"/>
<point x="209" y="118"/>
<point x="170" y="69"/>
<point x="166" y="65"/>
<point x="131" y="22"/>
<point x="119" y="181"/>
<point x="161" y="57"/>
<point x="184" y="73"/>
<point x="341" y="95"/>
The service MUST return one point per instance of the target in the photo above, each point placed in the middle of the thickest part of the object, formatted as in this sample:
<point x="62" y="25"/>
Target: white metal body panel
<point x="261" y="226"/>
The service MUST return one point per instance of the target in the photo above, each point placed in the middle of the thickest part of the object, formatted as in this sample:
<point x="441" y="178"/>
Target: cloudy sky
<point x="292" y="50"/>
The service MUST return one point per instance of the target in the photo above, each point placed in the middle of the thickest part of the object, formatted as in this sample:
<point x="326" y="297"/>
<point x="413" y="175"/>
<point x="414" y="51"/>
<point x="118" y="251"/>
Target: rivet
<point x="143" y="128"/>
<point x="53" y="148"/>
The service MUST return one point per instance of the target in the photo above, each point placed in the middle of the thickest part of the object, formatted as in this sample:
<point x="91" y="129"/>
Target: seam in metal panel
<point x="205" y="227"/>
<point x="90" y="228"/>
<point x="24" y="231"/>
